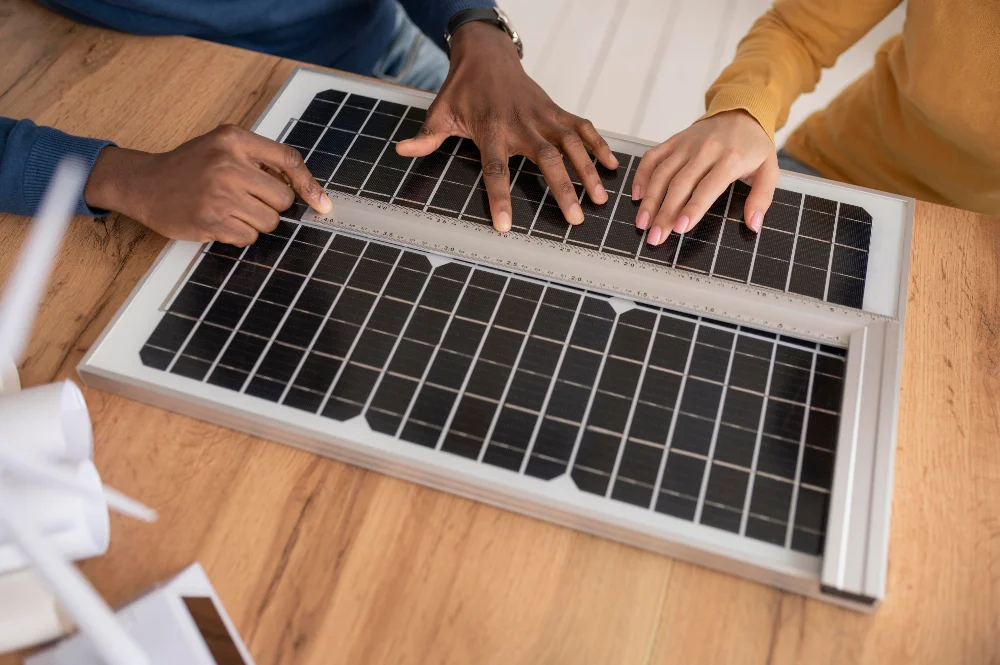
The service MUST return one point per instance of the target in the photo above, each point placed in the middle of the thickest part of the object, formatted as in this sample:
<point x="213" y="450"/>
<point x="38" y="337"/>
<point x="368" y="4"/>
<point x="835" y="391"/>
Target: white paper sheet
<point x="162" y="624"/>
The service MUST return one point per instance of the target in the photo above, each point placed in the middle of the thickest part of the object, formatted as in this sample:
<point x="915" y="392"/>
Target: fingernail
<point x="325" y="204"/>
<point x="642" y="221"/>
<point x="602" y="194"/>
<point x="653" y="237"/>
<point x="503" y="221"/>
<point x="681" y="225"/>
<point x="614" y="161"/>
<point x="575" y="215"/>
<point x="636" y="192"/>
<point x="756" y="221"/>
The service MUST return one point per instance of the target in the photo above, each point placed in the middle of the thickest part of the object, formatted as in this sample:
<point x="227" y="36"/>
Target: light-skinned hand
<point x="680" y="179"/>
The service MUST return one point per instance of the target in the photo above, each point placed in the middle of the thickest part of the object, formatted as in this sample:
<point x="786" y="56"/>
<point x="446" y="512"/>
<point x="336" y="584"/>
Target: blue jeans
<point x="789" y="163"/>
<point x="412" y="58"/>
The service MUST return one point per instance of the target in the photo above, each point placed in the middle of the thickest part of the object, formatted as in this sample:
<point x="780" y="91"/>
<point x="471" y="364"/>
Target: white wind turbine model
<point x="18" y="305"/>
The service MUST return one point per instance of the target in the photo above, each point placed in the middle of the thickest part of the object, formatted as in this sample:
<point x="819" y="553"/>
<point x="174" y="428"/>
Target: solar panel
<point x="686" y="416"/>
<point x="810" y="245"/>
<point x="728" y="398"/>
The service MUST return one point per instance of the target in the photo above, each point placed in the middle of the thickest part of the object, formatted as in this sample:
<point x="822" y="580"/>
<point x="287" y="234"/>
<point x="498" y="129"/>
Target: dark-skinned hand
<point x="489" y="98"/>
<point x="227" y="185"/>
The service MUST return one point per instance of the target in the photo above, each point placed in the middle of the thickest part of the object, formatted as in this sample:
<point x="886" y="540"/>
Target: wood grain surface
<point x="323" y="563"/>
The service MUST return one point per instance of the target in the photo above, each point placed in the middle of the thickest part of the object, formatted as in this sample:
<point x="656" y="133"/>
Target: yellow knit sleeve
<point x="784" y="53"/>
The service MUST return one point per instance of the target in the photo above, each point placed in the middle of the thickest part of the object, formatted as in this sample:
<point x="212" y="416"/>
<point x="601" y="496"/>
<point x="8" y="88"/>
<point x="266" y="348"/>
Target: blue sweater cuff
<point x="47" y="150"/>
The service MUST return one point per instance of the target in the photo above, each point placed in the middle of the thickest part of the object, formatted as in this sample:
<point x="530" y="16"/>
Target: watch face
<point x="510" y="30"/>
<point x="504" y="18"/>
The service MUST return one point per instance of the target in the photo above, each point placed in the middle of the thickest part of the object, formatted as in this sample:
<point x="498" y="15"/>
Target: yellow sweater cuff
<point x="756" y="101"/>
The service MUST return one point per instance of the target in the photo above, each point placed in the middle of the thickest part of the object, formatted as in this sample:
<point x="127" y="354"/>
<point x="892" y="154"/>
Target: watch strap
<point x="493" y="16"/>
<point x="470" y="15"/>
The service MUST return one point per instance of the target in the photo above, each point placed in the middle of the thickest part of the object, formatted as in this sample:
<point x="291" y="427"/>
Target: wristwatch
<point x="496" y="16"/>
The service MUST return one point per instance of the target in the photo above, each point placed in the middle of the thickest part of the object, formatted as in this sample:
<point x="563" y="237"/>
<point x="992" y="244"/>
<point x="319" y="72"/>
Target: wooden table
<point x="319" y="562"/>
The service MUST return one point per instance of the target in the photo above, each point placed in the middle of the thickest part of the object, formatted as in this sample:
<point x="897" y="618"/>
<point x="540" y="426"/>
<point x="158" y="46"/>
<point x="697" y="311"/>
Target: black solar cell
<point x="524" y="375"/>
<point x="792" y="254"/>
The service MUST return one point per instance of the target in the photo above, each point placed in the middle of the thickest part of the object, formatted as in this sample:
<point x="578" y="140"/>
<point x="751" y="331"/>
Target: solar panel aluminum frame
<point x="852" y="571"/>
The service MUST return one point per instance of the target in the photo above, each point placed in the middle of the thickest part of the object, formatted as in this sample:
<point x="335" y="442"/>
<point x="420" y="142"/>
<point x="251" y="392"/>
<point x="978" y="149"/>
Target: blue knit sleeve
<point x="29" y="155"/>
<point x="432" y="16"/>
